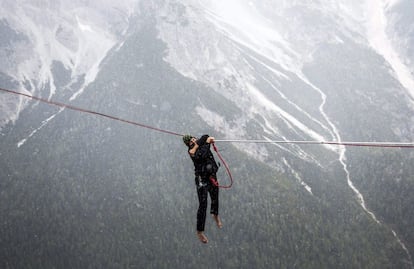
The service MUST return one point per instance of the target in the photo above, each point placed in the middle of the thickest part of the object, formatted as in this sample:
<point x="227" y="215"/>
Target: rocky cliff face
<point x="267" y="70"/>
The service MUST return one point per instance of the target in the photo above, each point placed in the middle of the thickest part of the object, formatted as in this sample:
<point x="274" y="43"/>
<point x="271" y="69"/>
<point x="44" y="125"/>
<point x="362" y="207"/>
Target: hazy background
<point x="81" y="191"/>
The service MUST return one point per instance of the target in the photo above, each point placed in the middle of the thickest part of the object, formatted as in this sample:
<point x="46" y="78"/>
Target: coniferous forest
<point x="84" y="191"/>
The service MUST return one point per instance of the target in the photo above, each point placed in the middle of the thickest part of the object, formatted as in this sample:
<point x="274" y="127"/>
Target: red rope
<point x="213" y="180"/>
<point x="359" y="144"/>
<point x="90" y="112"/>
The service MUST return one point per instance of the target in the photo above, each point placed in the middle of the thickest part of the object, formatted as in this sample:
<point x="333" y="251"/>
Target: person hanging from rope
<point x="205" y="168"/>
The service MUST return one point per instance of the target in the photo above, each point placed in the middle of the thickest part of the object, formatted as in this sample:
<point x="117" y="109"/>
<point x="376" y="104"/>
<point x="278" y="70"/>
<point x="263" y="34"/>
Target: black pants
<point x="204" y="186"/>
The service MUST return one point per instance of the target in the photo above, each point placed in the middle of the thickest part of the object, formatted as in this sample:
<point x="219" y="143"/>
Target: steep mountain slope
<point x="83" y="191"/>
<point x="326" y="71"/>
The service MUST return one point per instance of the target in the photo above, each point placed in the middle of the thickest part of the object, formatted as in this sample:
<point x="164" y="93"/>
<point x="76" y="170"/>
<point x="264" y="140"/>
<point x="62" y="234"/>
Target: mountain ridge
<point x="107" y="191"/>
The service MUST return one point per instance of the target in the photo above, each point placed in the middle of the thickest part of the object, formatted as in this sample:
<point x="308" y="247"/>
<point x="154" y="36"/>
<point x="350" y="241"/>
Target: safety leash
<point x="213" y="180"/>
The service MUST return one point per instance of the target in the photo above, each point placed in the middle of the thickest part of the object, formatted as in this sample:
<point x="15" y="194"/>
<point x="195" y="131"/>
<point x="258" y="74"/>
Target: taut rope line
<point x="338" y="143"/>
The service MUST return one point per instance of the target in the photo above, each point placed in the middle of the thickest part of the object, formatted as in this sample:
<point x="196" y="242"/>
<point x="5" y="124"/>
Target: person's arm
<point x="210" y="140"/>
<point x="194" y="149"/>
<point x="203" y="140"/>
<point x="201" y="149"/>
<point x="200" y="153"/>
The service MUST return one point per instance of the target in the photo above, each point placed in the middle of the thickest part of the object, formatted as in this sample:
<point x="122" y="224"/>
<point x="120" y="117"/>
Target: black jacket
<point x="203" y="159"/>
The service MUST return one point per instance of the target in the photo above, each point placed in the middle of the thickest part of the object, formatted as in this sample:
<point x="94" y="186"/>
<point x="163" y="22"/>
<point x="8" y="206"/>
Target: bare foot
<point x="218" y="221"/>
<point x="202" y="237"/>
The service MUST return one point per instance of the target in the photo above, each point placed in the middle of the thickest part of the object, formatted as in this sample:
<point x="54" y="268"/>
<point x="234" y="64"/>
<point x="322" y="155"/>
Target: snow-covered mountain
<point x="50" y="45"/>
<point x="238" y="69"/>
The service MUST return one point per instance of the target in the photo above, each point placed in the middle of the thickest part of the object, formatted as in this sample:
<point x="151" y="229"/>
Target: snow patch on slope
<point x="70" y="33"/>
<point x="376" y="26"/>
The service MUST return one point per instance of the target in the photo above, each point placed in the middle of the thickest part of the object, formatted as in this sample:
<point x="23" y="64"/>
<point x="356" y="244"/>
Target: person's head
<point x="187" y="139"/>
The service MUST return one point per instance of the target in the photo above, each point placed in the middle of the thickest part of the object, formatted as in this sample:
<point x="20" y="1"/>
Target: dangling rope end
<point x="214" y="181"/>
